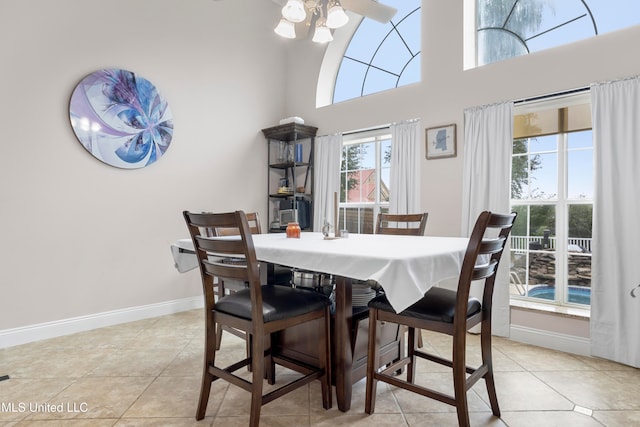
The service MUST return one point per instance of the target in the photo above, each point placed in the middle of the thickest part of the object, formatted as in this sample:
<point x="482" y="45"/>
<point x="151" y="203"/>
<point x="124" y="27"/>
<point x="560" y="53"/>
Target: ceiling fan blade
<point x="370" y="9"/>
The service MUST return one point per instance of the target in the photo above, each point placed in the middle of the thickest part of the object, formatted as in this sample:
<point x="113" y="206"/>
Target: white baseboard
<point x="552" y="340"/>
<point x="31" y="333"/>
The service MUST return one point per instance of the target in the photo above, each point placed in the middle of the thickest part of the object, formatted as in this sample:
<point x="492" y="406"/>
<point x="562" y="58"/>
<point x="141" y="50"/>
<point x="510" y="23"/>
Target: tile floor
<point x="147" y="373"/>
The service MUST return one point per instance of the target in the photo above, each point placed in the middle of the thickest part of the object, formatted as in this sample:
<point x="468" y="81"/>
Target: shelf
<point x="285" y="173"/>
<point x="287" y="195"/>
<point x="290" y="132"/>
<point x="287" y="165"/>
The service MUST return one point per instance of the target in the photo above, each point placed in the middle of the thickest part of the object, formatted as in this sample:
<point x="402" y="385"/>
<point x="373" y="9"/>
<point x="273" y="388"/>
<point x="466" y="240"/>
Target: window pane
<point x="543" y="143"/>
<point x="542" y="226"/>
<point x="349" y="81"/>
<point x="580" y="174"/>
<point x="579" y="253"/>
<point x="508" y="28"/>
<point x="378" y="81"/>
<point x="580" y="226"/>
<point x="520" y="177"/>
<point x="580" y="139"/>
<point x="357" y="220"/>
<point x="385" y="170"/>
<point x="544" y="176"/>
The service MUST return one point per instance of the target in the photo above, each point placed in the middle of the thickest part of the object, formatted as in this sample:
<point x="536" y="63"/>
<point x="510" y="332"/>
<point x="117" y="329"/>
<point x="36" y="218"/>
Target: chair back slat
<point x="254" y="226"/>
<point x="226" y="271"/>
<point x="402" y="224"/>
<point x="222" y="246"/>
<point x="483" y="271"/>
<point x="491" y="246"/>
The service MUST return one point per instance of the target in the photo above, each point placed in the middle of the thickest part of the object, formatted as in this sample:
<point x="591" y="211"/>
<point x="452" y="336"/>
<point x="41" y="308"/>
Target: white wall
<point x="80" y="237"/>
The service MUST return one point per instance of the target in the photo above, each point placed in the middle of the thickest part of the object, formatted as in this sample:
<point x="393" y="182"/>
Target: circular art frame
<point x="121" y="118"/>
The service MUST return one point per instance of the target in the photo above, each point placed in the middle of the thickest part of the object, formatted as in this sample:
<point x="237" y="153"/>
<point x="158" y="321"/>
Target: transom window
<point x="381" y="56"/>
<point x="509" y="28"/>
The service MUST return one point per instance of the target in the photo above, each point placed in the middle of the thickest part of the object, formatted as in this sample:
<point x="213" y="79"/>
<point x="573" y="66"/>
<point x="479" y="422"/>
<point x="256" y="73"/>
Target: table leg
<point x="343" y="351"/>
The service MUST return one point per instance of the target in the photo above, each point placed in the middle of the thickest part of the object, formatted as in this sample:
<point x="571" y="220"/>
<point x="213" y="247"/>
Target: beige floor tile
<point x="618" y="418"/>
<point x="522" y="391"/>
<point x="541" y="359"/>
<point x="482" y="419"/>
<point x="597" y="390"/>
<point x="548" y="419"/>
<point x="98" y="397"/>
<point x="147" y="373"/>
<point x="175" y="397"/>
<point x="133" y="362"/>
<point x="68" y="423"/>
<point x="21" y="397"/>
<point x="360" y="420"/>
<point x="163" y="422"/>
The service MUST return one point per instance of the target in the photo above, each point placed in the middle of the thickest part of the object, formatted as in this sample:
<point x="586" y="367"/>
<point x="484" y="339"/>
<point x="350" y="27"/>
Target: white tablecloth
<point x="405" y="266"/>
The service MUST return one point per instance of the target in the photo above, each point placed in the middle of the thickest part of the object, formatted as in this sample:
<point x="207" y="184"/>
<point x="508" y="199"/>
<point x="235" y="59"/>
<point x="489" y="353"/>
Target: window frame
<point x="378" y="136"/>
<point x="562" y="203"/>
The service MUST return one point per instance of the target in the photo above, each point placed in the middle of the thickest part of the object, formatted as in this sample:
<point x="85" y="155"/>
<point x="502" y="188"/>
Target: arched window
<point x="381" y="56"/>
<point x="508" y="28"/>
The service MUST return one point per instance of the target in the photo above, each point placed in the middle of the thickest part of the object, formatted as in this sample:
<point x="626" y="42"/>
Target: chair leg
<point x="420" y="343"/>
<point x="257" y="373"/>
<point x="218" y="336"/>
<point x="209" y="360"/>
<point x="372" y="357"/>
<point x="411" y="354"/>
<point x="485" y="343"/>
<point x="460" y="385"/>
<point x="269" y="364"/>
<point x="325" y="361"/>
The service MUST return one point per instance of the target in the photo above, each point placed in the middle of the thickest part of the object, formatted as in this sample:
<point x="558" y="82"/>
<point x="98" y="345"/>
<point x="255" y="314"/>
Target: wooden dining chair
<point x="222" y="288"/>
<point x="258" y="310"/>
<point x="452" y="313"/>
<point x="403" y="225"/>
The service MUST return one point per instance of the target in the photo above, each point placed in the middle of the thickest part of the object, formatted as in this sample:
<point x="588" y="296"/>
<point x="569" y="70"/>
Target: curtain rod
<point x="368" y="129"/>
<point x="380" y="127"/>
<point x="551" y="95"/>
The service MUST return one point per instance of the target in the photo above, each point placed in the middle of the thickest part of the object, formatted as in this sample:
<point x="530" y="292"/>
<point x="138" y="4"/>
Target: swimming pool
<point x="577" y="295"/>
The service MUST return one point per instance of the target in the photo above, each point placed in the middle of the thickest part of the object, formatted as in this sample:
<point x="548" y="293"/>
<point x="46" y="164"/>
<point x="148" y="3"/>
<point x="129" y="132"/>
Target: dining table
<point x="405" y="267"/>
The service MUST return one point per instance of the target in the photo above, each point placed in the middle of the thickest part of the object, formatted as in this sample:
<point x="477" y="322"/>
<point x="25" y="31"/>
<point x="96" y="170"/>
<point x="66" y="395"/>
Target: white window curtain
<point x="488" y="142"/>
<point x="615" y="302"/>
<point x="404" y="171"/>
<point x="328" y="156"/>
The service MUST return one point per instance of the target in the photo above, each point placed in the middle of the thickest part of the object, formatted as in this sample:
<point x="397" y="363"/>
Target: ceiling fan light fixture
<point x="294" y="11"/>
<point x="322" y="33"/>
<point x="285" y="29"/>
<point x="336" y="16"/>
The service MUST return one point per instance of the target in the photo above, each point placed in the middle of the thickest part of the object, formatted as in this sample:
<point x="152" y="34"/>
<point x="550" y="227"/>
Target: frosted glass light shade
<point x="336" y="17"/>
<point x="294" y="11"/>
<point x="285" y="29"/>
<point x="322" y="34"/>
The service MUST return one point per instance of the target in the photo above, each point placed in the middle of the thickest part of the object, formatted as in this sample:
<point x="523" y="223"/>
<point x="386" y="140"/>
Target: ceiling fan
<point x="321" y="16"/>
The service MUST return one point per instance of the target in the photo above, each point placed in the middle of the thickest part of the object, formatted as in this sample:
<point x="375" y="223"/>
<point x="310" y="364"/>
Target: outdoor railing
<point x="524" y="242"/>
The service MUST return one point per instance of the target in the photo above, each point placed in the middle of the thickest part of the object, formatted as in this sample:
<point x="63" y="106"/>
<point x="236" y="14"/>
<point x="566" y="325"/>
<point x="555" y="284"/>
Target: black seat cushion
<point x="438" y="304"/>
<point x="278" y="302"/>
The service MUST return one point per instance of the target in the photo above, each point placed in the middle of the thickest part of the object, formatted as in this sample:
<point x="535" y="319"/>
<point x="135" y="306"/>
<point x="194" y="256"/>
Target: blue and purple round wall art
<point x="121" y="119"/>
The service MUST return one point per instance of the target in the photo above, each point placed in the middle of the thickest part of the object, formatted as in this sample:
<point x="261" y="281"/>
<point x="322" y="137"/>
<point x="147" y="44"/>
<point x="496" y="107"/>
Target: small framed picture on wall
<point x="441" y="142"/>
